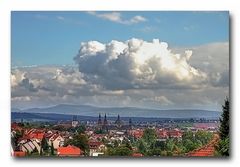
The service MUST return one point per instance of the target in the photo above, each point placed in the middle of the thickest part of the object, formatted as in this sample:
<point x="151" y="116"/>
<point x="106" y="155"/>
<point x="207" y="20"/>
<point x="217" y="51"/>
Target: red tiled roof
<point x="207" y="150"/>
<point x="137" y="133"/>
<point x="69" y="151"/>
<point x="15" y="126"/>
<point x="175" y="133"/>
<point x="94" y="144"/>
<point x="36" y="135"/>
<point x="54" y="137"/>
<point x="137" y="155"/>
<point x="19" y="154"/>
<point x="162" y="133"/>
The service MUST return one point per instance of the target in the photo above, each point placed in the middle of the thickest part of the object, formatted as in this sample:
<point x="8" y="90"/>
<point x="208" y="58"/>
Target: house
<point x="175" y="133"/>
<point x="137" y="155"/>
<point x="69" y="151"/>
<point x="162" y="134"/>
<point x="75" y="123"/>
<point x="19" y="154"/>
<point x="31" y="140"/>
<point x="29" y="145"/>
<point x="96" y="148"/>
<point x="15" y="127"/>
<point x="138" y="133"/>
<point x="56" y="139"/>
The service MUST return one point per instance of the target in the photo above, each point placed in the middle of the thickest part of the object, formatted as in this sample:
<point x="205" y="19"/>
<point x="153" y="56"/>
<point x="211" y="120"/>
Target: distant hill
<point x="93" y="111"/>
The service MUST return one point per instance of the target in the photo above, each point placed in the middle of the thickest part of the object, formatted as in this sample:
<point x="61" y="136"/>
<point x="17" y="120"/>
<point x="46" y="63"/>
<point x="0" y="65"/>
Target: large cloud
<point x="138" y="64"/>
<point x="212" y="59"/>
<point x="131" y="73"/>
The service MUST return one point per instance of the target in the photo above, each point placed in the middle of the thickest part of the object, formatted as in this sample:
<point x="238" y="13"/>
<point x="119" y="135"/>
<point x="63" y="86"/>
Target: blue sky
<point x="54" y="37"/>
<point x="125" y="72"/>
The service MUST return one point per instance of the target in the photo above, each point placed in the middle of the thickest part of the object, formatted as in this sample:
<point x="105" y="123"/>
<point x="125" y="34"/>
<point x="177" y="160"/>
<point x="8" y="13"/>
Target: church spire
<point x="105" y="120"/>
<point x="99" y="119"/>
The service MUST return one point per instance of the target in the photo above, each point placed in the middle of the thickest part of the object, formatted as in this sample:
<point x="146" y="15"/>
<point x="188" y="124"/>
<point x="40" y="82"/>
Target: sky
<point x="55" y="36"/>
<point x="147" y="59"/>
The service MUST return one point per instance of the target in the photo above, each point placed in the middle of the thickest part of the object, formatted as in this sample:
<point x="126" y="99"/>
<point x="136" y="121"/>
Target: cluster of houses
<point x="31" y="139"/>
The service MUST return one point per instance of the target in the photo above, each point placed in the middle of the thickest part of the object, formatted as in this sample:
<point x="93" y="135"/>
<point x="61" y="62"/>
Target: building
<point x="57" y="140"/>
<point x="118" y="122"/>
<point x="137" y="133"/>
<point x="69" y="151"/>
<point x="175" y="133"/>
<point x="19" y="154"/>
<point x="162" y="134"/>
<point x="75" y="122"/>
<point x="99" y="120"/>
<point x="96" y="148"/>
<point x="137" y="155"/>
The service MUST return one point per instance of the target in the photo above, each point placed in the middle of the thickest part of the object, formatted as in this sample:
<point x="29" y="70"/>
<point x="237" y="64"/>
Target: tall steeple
<point x="118" y="121"/>
<point x="105" y="122"/>
<point x="99" y="119"/>
<point x="130" y="123"/>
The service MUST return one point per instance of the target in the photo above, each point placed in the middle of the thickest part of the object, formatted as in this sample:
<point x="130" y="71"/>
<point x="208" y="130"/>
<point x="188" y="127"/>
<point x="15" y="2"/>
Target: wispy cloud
<point x="148" y="29"/>
<point x="117" y="18"/>
<point x="40" y="16"/>
<point x="68" y="20"/>
<point x="190" y="27"/>
<point x="60" y="18"/>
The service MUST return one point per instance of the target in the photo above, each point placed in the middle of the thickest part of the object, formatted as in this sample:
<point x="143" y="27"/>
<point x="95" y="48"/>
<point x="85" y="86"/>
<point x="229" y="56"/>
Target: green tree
<point x="128" y="145"/>
<point x="189" y="145"/>
<point x="44" y="144"/>
<point x="81" y="129"/>
<point x="222" y="147"/>
<point x="81" y="141"/>
<point x="122" y="151"/>
<point x="41" y="151"/>
<point x="142" y="146"/>
<point x="115" y="143"/>
<point x="224" y="121"/>
<point x="160" y="144"/>
<point x="52" y="149"/>
<point x="170" y="145"/>
<point x="203" y="137"/>
<point x="149" y="136"/>
<point x="16" y="137"/>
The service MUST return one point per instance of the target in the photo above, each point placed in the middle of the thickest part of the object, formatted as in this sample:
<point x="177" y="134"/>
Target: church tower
<point x="130" y="123"/>
<point x="105" y="122"/>
<point x="118" y="122"/>
<point x="99" y="120"/>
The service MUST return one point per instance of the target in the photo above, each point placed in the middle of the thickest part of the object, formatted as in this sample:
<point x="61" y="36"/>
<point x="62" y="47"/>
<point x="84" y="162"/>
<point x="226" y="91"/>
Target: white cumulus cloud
<point x="136" y="63"/>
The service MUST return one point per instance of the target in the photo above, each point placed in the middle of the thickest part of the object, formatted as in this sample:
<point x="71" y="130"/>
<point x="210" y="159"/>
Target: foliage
<point x="142" y="146"/>
<point x="44" y="144"/>
<point x="149" y="136"/>
<point x="128" y="145"/>
<point x="52" y="149"/>
<point x="16" y="137"/>
<point x="81" y="129"/>
<point x="119" y="151"/>
<point x="99" y="131"/>
<point x="59" y="128"/>
<point x="223" y="145"/>
<point x="224" y="121"/>
<point x="79" y="140"/>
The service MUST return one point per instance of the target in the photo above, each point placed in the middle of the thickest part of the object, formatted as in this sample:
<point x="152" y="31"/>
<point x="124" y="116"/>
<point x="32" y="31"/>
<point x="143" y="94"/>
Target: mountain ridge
<point x="89" y="110"/>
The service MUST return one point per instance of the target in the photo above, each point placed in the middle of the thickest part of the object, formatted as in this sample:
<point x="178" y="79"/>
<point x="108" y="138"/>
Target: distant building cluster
<point x="27" y="140"/>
